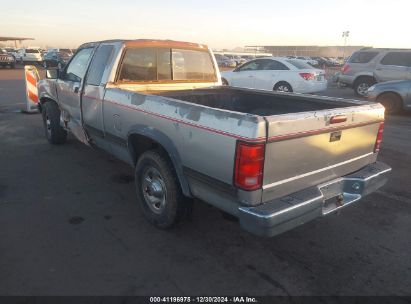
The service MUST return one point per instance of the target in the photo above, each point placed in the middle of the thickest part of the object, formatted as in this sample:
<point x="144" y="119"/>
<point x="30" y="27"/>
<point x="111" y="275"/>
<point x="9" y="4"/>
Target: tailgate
<point x="306" y="149"/>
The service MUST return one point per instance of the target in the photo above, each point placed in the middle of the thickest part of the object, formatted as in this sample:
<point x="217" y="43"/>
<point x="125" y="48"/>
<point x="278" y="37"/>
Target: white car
<point x="29" y="55"/>
<point x="278" y="74"/>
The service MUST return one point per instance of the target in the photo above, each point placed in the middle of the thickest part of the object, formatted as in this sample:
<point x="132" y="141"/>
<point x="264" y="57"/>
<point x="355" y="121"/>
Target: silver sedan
<point x="395" y="96"/>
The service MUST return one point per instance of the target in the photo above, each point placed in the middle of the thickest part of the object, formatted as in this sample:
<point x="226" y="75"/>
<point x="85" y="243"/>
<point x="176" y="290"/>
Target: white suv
<point x="30" y="56"/>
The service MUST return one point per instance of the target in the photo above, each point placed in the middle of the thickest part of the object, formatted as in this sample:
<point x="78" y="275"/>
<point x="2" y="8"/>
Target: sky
<point x="219" y="24"/>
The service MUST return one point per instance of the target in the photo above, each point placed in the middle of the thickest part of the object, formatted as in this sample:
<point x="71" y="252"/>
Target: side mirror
<point x="52" y="73"/>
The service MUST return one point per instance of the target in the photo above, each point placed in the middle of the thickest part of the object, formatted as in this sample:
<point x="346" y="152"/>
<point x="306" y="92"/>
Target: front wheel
<point x="159" y="191"/>
<point x="55" y="134"/>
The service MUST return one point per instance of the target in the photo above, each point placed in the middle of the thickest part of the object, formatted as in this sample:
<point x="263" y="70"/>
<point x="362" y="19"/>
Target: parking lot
<point x="70" y="225"/>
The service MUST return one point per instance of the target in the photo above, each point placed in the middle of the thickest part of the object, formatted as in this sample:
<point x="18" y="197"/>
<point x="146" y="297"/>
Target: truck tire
<point x="159" y="191"/>
<point x="391" y="102"/>
<point x="362" y="84"/>
<point x="55" y="134"/>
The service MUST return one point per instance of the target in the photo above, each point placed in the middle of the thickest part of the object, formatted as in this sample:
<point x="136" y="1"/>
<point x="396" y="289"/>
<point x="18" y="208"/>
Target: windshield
<point x="301" y="65"/>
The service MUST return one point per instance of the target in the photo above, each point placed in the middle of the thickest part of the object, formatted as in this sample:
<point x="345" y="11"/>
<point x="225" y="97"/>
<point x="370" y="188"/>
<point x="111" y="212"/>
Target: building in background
<point x="16" y="40"/>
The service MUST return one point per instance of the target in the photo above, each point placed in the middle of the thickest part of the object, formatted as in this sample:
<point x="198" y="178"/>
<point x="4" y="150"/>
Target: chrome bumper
<point x="288" y="212"/>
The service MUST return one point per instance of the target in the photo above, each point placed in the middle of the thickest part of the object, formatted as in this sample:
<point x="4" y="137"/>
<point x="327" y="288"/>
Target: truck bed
<point x="255" y="102"/>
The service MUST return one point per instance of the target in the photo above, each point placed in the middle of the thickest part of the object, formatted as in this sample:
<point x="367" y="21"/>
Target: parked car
<point x="308" y="60"/>
<point x="223" y="61"/>
<point x="11" y="51"/>
<point x="67" y="51"/>
<point x="368" y="66"/>
<point x="238" y="60"/>
<point x="7" y="60"/>
<point x="395" y="96"/>
<point x="56" y="59"/>
<point x="29" y="56"/>
<point x="188" y="137"/>
<point x="278" y="74"/>
<point x="247" y="57"/>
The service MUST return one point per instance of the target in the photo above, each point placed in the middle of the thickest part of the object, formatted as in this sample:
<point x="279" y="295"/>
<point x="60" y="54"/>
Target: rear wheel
<point x="391" y="102"/>
<point x="362" y="85"/>
<point x="158" y="190"/>
<point x="283" y="87"/>
<point x="55" y="134"/>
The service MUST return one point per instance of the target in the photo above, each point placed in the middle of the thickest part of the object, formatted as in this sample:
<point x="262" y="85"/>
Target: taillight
<point x="345" y="68"/>
<point x="378" y="141"/>
<point x="249" y="166"/>
<point x="308" y="76"/>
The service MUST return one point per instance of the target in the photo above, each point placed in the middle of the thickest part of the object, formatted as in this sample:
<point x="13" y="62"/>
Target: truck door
<point x="243" y="77"/>
<point x="393" y="66"/>
<point x="69" y="90"/>
<point x="94" y="88"/>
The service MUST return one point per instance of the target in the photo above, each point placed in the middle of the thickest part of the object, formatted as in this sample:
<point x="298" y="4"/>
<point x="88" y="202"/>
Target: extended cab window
<point x="397" y="59"/>
<point x="362" y="57"/>
<point x="99" y="63"/>
<point x="78" y="66"/>
<point x="164" y="64"/>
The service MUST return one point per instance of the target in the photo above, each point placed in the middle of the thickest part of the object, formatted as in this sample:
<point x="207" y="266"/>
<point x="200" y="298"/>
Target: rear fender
<point x="167" y="144"/>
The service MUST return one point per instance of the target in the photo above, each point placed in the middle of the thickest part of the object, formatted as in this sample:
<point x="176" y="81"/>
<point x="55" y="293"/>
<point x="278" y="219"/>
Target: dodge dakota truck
<point x="272" y="160"/>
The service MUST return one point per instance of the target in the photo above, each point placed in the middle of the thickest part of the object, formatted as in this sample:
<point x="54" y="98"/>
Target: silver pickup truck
<point x="273" y="160"/>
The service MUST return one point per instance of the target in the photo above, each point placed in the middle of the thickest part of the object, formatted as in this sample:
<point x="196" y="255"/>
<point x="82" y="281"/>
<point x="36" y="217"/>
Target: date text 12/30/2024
<point x="203" y="300"/>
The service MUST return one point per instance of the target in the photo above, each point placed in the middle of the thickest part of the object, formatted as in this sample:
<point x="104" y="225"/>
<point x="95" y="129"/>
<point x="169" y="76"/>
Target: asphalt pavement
<point x="70" y="225"/>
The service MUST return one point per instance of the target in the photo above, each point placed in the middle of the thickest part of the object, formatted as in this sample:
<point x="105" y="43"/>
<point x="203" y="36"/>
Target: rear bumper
<point x="346" y="79"/>
<point x="288" y="212"/>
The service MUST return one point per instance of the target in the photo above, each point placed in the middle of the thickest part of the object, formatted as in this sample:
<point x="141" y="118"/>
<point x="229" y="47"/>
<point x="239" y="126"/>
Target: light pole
<point x="345" y="35"/>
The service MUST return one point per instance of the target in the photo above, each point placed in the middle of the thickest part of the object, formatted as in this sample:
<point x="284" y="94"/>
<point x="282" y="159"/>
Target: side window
<point x="274" y="65"/>
<point x="99" y="63"/>
<point x="362" y="57"/>
<point x="250" y="66"/>
<point x="397" y="59"/>
<point x="163" y="64"/>
<point x="77" y="68"/>
<point x="139" y="64"/>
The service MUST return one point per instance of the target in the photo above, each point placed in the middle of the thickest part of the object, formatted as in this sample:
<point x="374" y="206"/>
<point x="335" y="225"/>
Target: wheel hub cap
<point x="363" y="88"/>
<point x="154" y="190"/>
